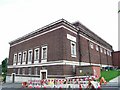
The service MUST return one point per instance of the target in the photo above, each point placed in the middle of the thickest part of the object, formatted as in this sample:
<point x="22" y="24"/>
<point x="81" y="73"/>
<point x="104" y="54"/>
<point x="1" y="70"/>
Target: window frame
<point x="29" y="71"/>
<point x="108" y="53"/>
<point x="42" y="57"/>
<point x="18" y="72"/>
<point x="104" y="51"/>
<point x="24" y="57"/>
<point x="36" y="71"/>
<point x="36" y="59"/>
<point x="73" y="54"/>
<point x="23" y="71"/>
<point x="97" y="47"/>
<point x="30" y="61"/>
<point x="19" y="58"/>
<point x="101" y="49"/>
<point x="15" y="59"/>
<point x="91" y="45"/>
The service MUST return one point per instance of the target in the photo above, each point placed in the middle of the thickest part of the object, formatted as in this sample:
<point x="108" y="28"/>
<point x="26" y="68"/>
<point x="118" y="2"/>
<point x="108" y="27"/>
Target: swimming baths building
<point x="55" y="51"/>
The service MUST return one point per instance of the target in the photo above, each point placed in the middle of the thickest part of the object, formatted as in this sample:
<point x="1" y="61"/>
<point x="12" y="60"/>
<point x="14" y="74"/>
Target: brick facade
<point x="58" y="37"/>
<point x="116" y="58"/>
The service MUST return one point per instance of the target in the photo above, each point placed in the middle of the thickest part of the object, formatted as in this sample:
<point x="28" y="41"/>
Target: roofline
<point x="116" y="52"/>
<point x="91" y="32"/>
<point x="63" y="21"/>
<point x="51" y="24"/>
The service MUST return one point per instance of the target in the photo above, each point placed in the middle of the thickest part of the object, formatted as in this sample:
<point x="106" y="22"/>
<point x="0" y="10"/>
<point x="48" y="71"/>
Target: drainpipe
<point x="107" y="57"/>
<point x="79" y="48"/>
<point x="89" y="52"/>
<point x="112" y="58"/>
<point x="100" y="57"/>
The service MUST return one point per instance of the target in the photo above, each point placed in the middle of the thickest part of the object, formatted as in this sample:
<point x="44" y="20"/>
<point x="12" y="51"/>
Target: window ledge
<point x="73" y="55"/>
<point x="36" y="62"/>
<point x="43" y="60"/>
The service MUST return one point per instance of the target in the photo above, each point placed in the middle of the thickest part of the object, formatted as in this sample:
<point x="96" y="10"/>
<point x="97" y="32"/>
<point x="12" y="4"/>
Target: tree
<point x="118" y="11"/>
<point x="4" y="68"/>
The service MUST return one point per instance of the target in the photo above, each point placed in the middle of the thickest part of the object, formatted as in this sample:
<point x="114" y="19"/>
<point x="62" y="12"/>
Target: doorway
<point x="43" y="74"/>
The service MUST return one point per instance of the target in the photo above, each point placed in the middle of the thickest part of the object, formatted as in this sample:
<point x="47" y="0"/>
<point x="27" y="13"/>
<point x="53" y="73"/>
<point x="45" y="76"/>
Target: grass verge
<point x="109" y="75"/>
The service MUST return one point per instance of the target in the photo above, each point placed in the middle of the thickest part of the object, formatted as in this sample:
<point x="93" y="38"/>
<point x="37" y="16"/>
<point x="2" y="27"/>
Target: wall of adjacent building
<point x="116" y="59"/>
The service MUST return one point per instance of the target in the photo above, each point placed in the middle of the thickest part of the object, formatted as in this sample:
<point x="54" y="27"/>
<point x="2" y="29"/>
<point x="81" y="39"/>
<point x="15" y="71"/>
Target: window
<point x="97" y="48"/>
<point x="91" y="45"/>
<point x="36" y="54"/>
<point x="23" y="71"/>
<point x="29" y="56"/>
<point x="24" y="57"/>
<point x="73" y="49"/>
<point x="29" y="71"/>
<point x="104" y="51"/>
<point x="108" y="53"/>
<point x="14" y="70"/>
<point x="19" y="58"/>
<point x="44" y="52"/>
<point x="101" y="50"/>
<point x="18" y="70"/>
<point x="36" y="71"/>
<point x="15" y="59"/>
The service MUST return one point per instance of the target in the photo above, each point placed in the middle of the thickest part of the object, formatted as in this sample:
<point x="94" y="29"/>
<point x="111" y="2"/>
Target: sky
<point x="19" y="17"/>
<point x="119" y="26"/>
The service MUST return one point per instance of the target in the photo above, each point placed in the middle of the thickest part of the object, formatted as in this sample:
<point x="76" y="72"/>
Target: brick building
<point x="116" y="59"/>
<point x="54" y="51"/>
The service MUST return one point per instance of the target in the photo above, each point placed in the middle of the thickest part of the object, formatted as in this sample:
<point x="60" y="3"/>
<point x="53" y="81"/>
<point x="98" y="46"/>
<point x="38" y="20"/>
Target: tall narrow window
<point x="110" y="53"/>
<point x="29" y="71"/>
<point x="29" y="56"/>
<point x="36" y="71"/>
<point x="73" y="49"/>
<point x="19" y="58"/>
<point x="101" y="50"/>
<point x="104" y="51"/>
<point x="44" y="54"/>
<point x="15" y="59"/>
<point x="18" y="70"/>
<point x="91" y="45"/>
<point x="36" y="54"/>
<point x="97" y="49"/>
<point x="14" y="70"/>
<point x="23" y="71"/>
<point x="24" y="57"/>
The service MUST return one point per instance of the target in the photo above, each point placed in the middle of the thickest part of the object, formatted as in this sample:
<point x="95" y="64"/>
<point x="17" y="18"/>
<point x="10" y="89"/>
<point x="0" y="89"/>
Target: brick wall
<point x="116" y="58"/>
<point x="53" y="40"/>
<point x="84" y="48"/>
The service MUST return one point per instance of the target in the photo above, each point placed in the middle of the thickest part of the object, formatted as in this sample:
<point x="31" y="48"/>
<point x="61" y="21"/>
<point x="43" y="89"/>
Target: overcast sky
<point x="119" y="26"/>
<point x="19" y="17"/>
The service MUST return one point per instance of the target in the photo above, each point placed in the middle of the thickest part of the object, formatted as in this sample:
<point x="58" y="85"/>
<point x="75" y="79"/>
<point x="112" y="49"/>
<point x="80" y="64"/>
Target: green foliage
<point x="4" y="68"/>
<point x="118" y="11"/>
<point x="108" y="75"/>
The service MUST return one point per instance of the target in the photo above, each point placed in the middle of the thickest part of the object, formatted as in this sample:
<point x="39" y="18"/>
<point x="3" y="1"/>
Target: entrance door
<point x="43" y="74"/>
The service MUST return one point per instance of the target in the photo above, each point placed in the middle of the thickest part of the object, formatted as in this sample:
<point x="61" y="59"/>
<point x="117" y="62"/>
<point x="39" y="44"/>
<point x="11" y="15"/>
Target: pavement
<point x="115" y="81"/>
<point x="11" y="85"/>
<point x="114" y="84"/>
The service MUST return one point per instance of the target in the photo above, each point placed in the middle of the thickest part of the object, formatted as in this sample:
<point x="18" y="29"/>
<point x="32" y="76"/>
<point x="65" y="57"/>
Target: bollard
<point x="80" y="87"/>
